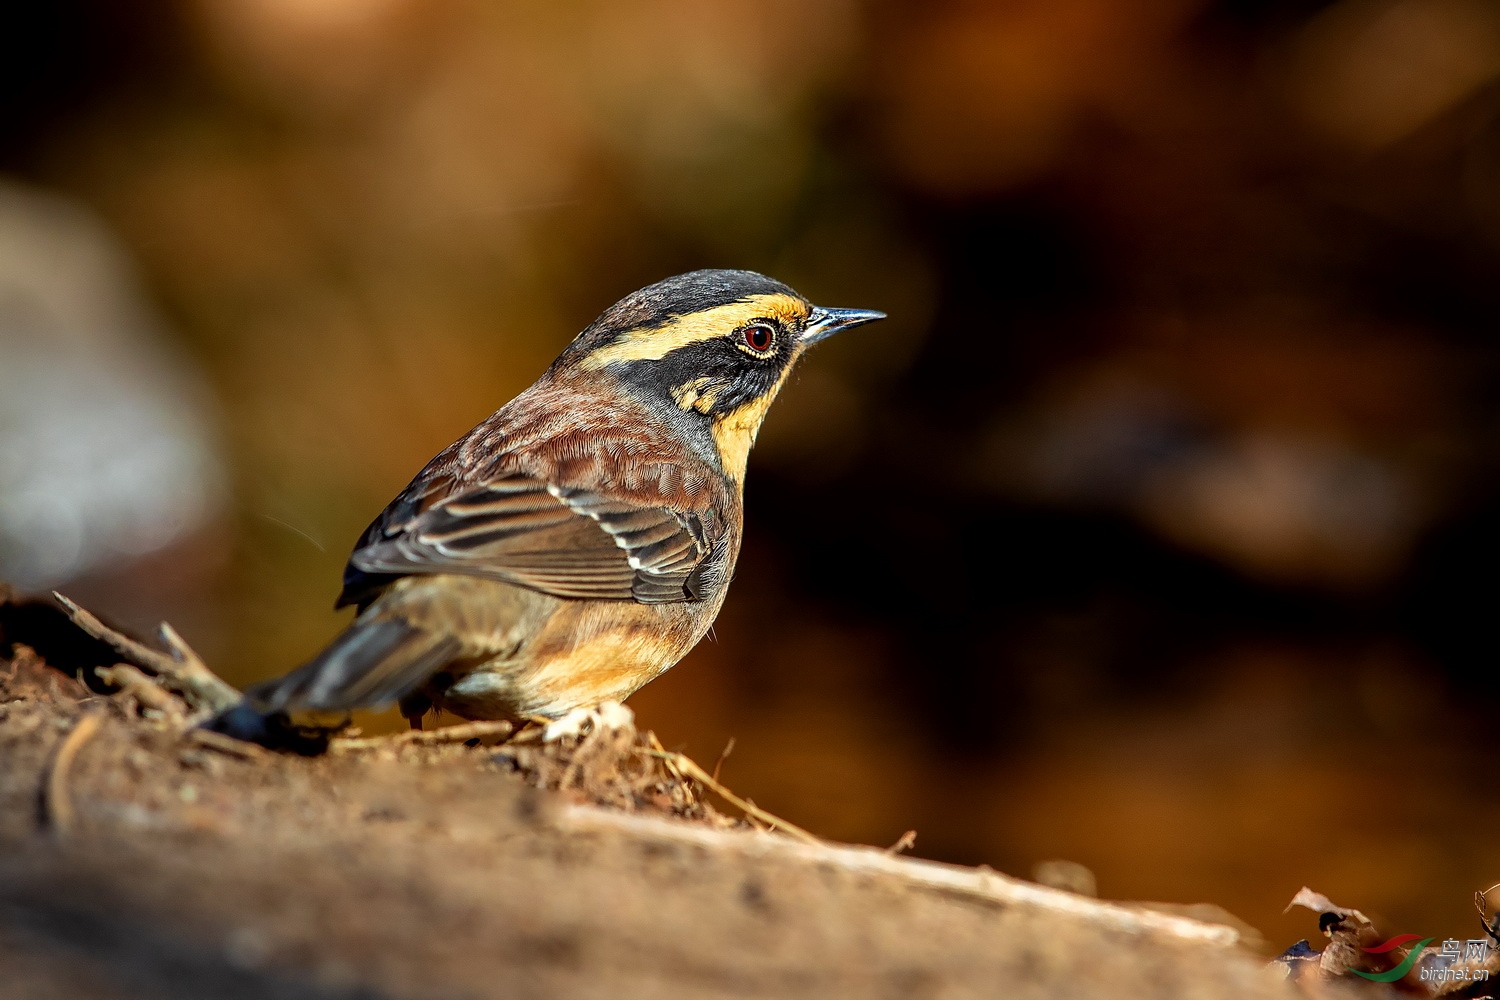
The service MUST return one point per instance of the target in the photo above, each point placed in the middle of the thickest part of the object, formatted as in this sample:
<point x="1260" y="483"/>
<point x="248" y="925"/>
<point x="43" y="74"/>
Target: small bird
<point x="579" y="541"/>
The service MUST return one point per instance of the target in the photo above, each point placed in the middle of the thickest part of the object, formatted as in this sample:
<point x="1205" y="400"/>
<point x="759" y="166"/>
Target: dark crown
<point x="681" y="295"/>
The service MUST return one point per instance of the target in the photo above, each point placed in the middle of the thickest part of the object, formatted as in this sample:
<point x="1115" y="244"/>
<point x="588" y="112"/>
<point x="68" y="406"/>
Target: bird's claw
<point x="606" y="715"/>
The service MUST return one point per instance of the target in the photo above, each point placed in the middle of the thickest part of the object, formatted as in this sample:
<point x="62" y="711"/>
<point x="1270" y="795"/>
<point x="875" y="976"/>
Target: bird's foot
<point x="606" y="715"/>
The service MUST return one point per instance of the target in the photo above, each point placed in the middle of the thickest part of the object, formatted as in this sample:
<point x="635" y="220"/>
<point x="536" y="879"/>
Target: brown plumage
<point x="579" y="541"/>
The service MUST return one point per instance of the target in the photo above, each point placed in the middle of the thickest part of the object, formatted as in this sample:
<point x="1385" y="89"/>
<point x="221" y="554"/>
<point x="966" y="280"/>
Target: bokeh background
<point x="1156" y="530"/>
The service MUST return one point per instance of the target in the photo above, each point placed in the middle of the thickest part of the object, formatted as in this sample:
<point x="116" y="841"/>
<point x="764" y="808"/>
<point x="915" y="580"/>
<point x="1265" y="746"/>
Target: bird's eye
<point x="759" y="337"/>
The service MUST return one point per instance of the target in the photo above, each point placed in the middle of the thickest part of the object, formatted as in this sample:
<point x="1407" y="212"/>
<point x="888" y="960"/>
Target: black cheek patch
<point x="734" y="376"/>
<point x="747" y="386"/>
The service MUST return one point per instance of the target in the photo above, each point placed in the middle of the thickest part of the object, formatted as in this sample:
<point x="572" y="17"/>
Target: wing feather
<point x="569" y="542"/>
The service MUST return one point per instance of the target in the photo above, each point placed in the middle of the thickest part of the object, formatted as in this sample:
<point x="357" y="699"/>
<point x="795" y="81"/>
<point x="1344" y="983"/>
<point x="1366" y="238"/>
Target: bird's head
<point x="712" y="348"/>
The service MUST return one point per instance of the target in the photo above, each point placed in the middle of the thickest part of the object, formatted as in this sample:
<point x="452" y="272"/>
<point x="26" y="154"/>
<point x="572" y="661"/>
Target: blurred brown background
<point x="1156" y="530"/>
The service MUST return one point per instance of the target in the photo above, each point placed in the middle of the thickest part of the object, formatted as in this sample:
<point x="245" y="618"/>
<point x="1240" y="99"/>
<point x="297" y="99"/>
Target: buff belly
<point x="583" y="653"/>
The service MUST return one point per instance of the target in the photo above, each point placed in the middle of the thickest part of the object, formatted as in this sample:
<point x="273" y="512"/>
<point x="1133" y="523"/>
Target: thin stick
<point x="60" y="815"/>
<point x="532" y="729"/>
<point x="666" y="756"/>
<point x="723" y="756"/>
<point x="670" y="760"/>
<point x="206" y="686"/>
<point x="157" y="663"/>
<point x="140" y="687"/>
<point x="227" y="744"/>
<point x="426" y="737"/>
<point x="689" y="767"/>
<point x="183" y="670"/>
<point x="1492" y="928"/>
<point x="907" y="841"/>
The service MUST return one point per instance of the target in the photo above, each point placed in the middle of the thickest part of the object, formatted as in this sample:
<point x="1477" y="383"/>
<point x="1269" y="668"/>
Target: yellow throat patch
<point x="735" y="431"/>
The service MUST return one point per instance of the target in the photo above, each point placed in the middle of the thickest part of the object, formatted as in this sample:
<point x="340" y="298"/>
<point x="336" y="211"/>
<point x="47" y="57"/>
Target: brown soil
<point x="140" y="859"/>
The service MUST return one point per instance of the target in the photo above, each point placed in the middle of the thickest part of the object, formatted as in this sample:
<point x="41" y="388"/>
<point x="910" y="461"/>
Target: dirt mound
<point x="143" y="857"/>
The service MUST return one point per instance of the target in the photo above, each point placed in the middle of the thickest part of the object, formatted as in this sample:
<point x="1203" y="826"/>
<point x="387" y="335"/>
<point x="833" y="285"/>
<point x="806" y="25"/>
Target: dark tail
<point x="372" y="663"/>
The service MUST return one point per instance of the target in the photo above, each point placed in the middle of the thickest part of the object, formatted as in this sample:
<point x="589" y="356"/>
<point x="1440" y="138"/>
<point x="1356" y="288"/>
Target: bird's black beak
<point x="823" y="323"/>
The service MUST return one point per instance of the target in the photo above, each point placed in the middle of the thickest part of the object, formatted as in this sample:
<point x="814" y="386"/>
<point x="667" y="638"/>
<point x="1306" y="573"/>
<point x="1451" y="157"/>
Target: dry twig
<point x="227" y="744"/>
<point x="905" y="842"/>
<point x="688" y="767"/>
<point x="723" y="756"/>
<point x="59" y="807"/>
<point x="426" y="737"/>
<point x="142" y="688"/>
<point x="183" y="671"/>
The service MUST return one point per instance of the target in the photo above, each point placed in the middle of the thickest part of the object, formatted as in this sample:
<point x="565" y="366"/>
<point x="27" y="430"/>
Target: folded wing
<point x="568" y="542"/>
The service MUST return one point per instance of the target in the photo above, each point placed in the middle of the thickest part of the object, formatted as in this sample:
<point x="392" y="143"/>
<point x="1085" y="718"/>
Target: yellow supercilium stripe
<point x="654" y="343"/>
